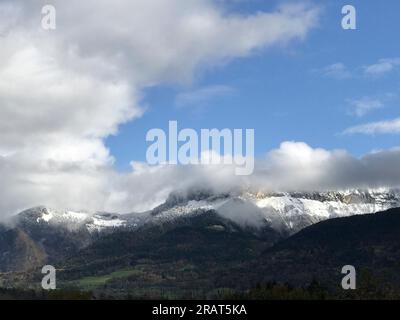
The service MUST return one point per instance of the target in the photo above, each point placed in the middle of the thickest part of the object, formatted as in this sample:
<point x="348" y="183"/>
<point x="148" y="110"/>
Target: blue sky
<point x="286" y="93"/>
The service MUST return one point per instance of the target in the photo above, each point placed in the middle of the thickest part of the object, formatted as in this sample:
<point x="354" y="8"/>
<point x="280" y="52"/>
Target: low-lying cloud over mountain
<point x="294" y="166"/>
<point x="63" y="92"/>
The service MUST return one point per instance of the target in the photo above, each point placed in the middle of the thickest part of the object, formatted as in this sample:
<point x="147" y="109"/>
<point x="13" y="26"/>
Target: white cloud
<point x="340" y="71"/>
<point x="43" y="101"/>
<point x="337" y="71"/>
<point x="63" y="92"/>
<point x="365" y="105"/>
<point x="383" y="66"/>
<point x="380" y="127"/>
<point x="297" y="166"/>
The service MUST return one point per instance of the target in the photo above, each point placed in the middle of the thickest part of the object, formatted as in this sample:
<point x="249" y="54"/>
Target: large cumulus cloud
<point x="63" y="92"/>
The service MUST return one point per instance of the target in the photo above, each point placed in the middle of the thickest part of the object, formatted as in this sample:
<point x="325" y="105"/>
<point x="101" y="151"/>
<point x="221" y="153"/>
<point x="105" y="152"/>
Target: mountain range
<point x="200" y="241"/>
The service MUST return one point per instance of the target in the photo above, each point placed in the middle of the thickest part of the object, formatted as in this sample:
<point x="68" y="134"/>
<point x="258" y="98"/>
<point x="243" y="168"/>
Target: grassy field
<point x="90" y="283"/>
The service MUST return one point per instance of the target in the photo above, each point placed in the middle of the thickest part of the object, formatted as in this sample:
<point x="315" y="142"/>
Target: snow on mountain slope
<point x="74" y="220"/>
<point x="286" y="212"/>
<point x="51" y="215"/>
<point x="297" y="211"/>
<point x="190" y="208"/>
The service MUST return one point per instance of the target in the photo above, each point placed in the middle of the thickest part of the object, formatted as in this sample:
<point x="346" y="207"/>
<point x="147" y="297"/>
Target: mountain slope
<point x="368" y="242"/>
<point x="202" y="238"/>
<point x="18" y="251"/>
<point x="207" y="252"/>
<point x="201" y="253"/>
